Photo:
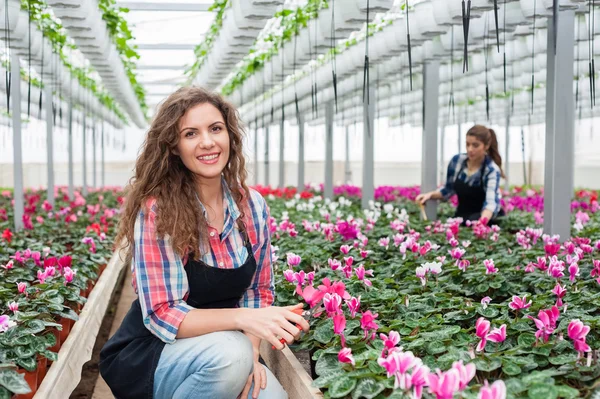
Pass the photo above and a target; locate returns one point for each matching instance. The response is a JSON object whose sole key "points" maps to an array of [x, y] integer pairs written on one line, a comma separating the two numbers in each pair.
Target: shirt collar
{"points": [[229, 205]]}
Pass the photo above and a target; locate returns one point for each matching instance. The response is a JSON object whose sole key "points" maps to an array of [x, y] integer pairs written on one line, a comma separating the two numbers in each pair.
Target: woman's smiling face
{"points": [[203, 141]]}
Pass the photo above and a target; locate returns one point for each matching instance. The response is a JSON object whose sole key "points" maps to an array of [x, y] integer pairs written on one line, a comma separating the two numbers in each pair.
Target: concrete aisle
{"points": [[102, 391]]}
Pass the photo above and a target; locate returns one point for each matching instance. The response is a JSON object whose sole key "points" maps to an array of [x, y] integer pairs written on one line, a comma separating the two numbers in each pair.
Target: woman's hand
{"points": [[423, 198], [259, 377], [273, 323]]}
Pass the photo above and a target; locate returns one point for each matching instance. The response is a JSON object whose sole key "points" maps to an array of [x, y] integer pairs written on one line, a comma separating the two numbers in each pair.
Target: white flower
{"points": [[433, 267], [388, 208]]}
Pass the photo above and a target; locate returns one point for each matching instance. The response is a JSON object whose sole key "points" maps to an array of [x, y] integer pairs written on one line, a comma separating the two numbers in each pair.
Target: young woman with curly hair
{"points": [[199, 244]]}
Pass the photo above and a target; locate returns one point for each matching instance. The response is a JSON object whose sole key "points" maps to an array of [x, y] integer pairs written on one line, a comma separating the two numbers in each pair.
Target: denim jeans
{"points": [[212, 366]]}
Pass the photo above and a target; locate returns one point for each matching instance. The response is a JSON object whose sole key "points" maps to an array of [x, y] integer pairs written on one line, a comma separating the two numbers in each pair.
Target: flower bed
{"points": [[46, 273], [411, 309]]}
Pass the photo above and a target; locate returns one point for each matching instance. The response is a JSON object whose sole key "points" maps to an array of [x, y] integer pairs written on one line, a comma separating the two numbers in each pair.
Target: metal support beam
{"points": [[49, 144], [267, 156], [103, 165], [431, 91], [507, 152], [328, 191], [347, 170], [368, 178], [560, 126], [256, 178], [300, 152], [460, 136], [19, 207], [281, 155], [94, 181], [70, 151], [164, 6], [166, 46], [442, 154], [84, 189]]}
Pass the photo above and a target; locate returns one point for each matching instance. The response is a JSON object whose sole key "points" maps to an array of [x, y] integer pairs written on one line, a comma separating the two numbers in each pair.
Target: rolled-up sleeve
{"points": [[447, 190], [160, 279], [261, 291], [492, 192]]}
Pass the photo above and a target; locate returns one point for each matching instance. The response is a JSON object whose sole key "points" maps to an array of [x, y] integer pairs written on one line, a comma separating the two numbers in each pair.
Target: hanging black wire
{"points": [[315, 69], [555, 22], [409, 48], [485, 57], [504, 55], [42, 81], [578, 65], [312, 76], [333, 53], [451, 105], [466, 20], [7, 41], [496, 20], [533, 56], [591, 52], [366, 67], [294, 74], [282, 80], [523, 155], [29, 58]]}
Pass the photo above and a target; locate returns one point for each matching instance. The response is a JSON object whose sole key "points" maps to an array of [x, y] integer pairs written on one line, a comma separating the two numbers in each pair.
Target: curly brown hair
{"points": [[161, 175]]}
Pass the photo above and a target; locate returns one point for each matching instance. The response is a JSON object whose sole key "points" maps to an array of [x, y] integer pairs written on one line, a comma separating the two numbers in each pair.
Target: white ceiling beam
{"points": [[166, 46], [164, 6]]}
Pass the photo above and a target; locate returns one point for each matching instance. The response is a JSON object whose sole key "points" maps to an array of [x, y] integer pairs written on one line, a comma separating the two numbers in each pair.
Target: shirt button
{"points": [[221, 264], [212, 233]]}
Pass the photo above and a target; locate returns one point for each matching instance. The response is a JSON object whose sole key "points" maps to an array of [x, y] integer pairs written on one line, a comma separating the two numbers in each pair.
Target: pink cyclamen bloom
{"points": [[293, 260], [530, 268], [345, 356], [310, 277], [349, 261], [367, 323], [42, 276], [453, 242], [496, 391], [300, 277], [490, 267], [418, 380], [573, 271], [482, 327], [497, 334], [289, 276], [69, 274], [354, 305], [334, 264], [36, 256], [444, 385], [551, 249], [577, 330], [581, 347], [546, 322], [456, 253], [332, 303], [519, 303], [596, 270], [22, 287], [339, 324], [13, 306], [560, 292], [421, 272], [9, 265], [360, 273], [337, 287], [390, 341], [363, 253], [465, 372], [384, 242], [50, 271], [6, 323], [345, 249], [485, 302], [311, 295], [463, 264]]}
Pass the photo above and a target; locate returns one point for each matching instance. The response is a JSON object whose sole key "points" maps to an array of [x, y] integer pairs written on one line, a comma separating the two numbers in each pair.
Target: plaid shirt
{"points": [[491, 180], [159, 276]]}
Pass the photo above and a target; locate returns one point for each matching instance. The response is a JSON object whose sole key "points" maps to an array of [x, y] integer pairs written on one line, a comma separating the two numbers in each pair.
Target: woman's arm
{"points": [[491, 205]]}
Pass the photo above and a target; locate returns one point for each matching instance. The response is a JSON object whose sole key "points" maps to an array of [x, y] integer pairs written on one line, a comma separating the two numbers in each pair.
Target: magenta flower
{"points": [[9, 265], [453, 242], [518, 303], [22, 288], [497, 334], [496, 391], [444, 385], [349, 261], [466, 373], [367, 323], [14, 307], [490, 267], [311, 295], [578, 333], [482, 327], [345, 249], [551, 249], [50, 271], [384, 242], [69, 274], [390, 341], [456, 253], [293, 260], [418, 380], [345, 356], [361, 272], [36, 256], [6, 323], [530, 268], [546, 322], [332, 303], [18, 257], [573, 271], [463, 264], [541, 264], [42, 276], [289, 276], [363, 253], [334, 264], [560, 292], [347, 230], [353, 305], [556, 267], [310, 277], [300, 277], [485, 302]]}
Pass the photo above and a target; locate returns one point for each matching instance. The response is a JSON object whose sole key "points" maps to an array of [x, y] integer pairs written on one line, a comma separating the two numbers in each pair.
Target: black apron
{"points": [[472, 198], [130, 357]]}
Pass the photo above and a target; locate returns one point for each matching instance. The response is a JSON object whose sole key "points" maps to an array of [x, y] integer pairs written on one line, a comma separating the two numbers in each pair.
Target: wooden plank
{"points": [[290, 373], [65, 374]]}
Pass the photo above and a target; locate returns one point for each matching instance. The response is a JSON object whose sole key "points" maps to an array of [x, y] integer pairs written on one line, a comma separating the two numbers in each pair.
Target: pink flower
{"points": [[22, 287], [541, 264], [573, 271], [398, 364], [349, 261], [13, 306], [50, 271], [482, 327], [444, 385], [453, 242], [551, 249], [456, 253], [391, 341], [421, 272], [384, 242], [363, 253], [466, 373], [300, 277], [418, 380], [334, 264], [518, 303], [496, 391], [485, 302], [546, 323], [530, 268], [353, 305], [289, 276], [293, 260], [36, 256], [577, 330], [69, 274], [9, 265], [311, 295], [463, 264], [581, 347], [310, 277], [348, 230], [42, 276], [360, 273], [367, 323], [560, 292], [490, 267], [332, 303], [345, 356], [6, 323], [497, 334], [338, 287]]}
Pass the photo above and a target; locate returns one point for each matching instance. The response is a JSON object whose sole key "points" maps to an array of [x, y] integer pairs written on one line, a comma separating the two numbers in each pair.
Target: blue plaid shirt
{"points": [[457, 171]]}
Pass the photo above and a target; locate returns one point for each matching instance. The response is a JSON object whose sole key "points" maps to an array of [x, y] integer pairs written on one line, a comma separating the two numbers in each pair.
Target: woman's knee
{"points": [[231, 354]]}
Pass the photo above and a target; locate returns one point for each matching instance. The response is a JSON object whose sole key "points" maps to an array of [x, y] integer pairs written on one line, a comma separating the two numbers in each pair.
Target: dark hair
{"points": [[161, 175], [488, 137]]}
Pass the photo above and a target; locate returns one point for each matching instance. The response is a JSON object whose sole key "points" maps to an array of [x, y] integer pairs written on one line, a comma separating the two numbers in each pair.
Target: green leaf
{"points": [[24, 351], [526, 340], [342, 387], [542, 391], [33, 327], [487, 364], [14, 382], [510, 368], [514, 386], [324, 333], [52, 356], [326, 379], [28, 363], [327, 364], [562, 359], [436, 347], [367, 388], [567, 392], [488, 312]]}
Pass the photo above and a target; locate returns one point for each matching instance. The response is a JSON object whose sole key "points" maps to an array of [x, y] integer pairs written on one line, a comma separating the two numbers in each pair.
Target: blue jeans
{"points": [[212, 366]]}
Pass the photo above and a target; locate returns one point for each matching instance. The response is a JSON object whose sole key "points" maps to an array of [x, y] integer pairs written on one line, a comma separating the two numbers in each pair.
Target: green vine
{"points": [[121, 34], [201, 51], [54, 31]]}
